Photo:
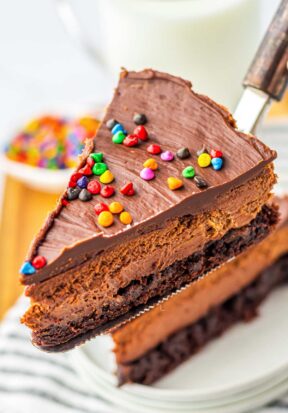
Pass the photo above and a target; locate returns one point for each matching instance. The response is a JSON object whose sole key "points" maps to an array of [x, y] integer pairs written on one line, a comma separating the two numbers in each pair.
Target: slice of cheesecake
{"points": [[160, 340], [167, 191]]}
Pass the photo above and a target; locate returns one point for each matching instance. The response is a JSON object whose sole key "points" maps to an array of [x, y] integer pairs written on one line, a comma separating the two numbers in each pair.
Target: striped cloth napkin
{"points": [[36, 382]]}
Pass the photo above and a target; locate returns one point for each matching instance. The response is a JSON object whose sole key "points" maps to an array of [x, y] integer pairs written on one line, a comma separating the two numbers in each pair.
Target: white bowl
{"points": [[45, 180]]}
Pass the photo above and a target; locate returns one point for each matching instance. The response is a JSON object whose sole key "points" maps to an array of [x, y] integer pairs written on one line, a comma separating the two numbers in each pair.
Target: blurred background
{"points": [[48, 66]]}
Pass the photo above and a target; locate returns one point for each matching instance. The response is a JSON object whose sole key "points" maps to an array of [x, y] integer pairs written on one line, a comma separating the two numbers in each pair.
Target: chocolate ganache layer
{"points": [[177, 117]]}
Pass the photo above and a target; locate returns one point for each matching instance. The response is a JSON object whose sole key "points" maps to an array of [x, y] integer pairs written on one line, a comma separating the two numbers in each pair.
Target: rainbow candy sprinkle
{"points": [[52, 142]]}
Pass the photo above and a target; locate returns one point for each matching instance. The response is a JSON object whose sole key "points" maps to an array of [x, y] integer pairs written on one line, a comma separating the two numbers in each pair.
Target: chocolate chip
{"points": [[202, 150], [139, 119], [85, 195], [183, 153], [73, 193], [111, 123], [200, 182]]}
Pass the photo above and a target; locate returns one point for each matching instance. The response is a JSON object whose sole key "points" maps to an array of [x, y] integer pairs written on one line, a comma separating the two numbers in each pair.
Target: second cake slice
{"points": [[160, 340], [168, 191]]}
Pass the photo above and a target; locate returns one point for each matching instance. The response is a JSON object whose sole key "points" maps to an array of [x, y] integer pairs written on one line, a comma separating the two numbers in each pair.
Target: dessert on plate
{"points": [[160, 340], [168, 190]]}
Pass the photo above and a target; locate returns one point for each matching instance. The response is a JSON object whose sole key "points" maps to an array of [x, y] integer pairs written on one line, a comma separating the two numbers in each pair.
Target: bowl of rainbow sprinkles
{"points": [[44, 151]]}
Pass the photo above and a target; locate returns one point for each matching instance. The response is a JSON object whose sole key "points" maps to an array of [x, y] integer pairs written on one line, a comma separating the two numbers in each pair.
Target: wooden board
{"points": [[24, 211]]}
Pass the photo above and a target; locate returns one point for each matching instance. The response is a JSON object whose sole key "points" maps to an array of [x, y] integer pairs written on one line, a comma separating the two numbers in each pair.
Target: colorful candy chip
{"points": [[174, 183], [147, 174], [82, 182], [85, 195], [74, 177], [216, 153], [118, 128], [217, 163], [118, 137], [27, 268], [73, 193], [141, 133], [64, 202], [97, 157], [183, 153], [127, 189], [188, 172], [100, 207], [131, 140], [72, 184], [107, 191], [39, 262], [125, 218], [86, 170], [151, 163], [99, 168], [154, 149], [139, 119], [116, 207], [107, 177], [200, 182], [204, 160], [111, 123], [105, 219], [94, 187], [167, 156], [90, 161]]}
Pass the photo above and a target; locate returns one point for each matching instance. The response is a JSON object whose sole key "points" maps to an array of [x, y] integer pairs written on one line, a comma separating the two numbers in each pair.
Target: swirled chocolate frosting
{"points": [[177, 117]]}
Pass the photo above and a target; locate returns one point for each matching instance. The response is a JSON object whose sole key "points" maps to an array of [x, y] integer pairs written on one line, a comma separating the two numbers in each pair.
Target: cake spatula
{"points": [[266, 79]]}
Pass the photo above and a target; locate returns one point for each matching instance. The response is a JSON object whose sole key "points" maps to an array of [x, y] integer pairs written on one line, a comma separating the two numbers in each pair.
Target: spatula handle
{"points": [[268, 71]]}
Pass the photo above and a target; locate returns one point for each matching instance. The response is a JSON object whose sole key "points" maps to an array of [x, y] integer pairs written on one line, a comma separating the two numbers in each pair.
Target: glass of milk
{"points": [[210, 42]]}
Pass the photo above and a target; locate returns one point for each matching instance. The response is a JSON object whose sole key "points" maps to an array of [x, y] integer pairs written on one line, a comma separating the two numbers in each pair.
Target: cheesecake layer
{"points": [[149, 330], [178, 347]]}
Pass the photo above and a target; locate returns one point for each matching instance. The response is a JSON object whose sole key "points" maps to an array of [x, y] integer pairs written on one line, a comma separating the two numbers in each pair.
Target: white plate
{"points": [[98, 385], [42, 179], [259, 397], [246, 357]]}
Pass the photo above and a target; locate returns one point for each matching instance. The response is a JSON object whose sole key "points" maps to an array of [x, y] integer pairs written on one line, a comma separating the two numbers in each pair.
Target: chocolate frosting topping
{"points": [[176, 117]]}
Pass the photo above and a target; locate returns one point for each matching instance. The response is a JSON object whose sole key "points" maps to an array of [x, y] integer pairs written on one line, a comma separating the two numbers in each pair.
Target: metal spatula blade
{"points": [[266, 78], [250, 109]]}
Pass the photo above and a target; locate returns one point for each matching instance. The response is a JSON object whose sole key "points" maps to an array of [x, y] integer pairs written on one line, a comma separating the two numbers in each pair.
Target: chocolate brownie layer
{"points": [[184, 343], [148, 289]]}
